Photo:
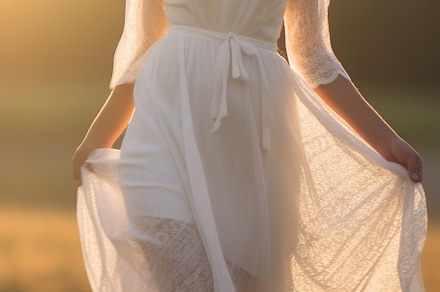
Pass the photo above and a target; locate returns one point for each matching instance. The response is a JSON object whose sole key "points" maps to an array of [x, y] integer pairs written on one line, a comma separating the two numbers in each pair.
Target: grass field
{"points": [[42, 123], [40, 251]]}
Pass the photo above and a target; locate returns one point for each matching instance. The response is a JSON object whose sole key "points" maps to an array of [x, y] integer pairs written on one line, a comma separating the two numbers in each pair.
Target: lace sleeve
{"points": [[308, 42], [145, 23]]}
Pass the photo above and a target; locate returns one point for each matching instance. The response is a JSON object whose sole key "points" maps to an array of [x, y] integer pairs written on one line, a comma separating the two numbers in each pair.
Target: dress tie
{"points": [[231, 54], [193, 174]]}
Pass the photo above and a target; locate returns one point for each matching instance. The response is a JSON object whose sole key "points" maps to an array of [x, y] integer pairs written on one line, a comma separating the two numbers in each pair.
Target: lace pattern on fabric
{"points": [[145, 23], [308, 42], [176, 257]]}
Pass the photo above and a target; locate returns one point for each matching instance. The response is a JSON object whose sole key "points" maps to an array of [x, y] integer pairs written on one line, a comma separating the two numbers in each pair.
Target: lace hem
{"points": [[173, 251]]}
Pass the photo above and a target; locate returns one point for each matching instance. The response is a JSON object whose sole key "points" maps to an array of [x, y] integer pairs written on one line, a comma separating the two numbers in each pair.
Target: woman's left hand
{"points": [[401, 152]]}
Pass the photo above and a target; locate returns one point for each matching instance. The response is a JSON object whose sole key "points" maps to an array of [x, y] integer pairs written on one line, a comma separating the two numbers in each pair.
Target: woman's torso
{"points": [[260, 19]]}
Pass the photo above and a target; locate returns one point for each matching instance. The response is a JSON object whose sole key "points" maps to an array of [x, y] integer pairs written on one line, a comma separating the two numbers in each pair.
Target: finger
{"points": [[77, 175], [412, 168], [77, 178], [419, 162]]}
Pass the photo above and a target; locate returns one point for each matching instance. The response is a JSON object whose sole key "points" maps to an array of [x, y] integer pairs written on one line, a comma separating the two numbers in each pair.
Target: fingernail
{"points": [[414, 176]]}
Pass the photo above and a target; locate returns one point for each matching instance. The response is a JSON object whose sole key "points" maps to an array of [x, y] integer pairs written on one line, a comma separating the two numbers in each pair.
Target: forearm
{"points": [[112, 118], [343, 97]]}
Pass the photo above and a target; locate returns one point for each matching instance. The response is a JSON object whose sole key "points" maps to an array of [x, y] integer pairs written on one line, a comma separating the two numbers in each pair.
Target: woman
{"points": [[238, 172]]}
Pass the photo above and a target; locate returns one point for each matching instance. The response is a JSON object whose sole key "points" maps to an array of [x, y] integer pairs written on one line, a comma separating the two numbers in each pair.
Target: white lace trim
{"points": [[176, 257], [145, 23], [308, 42]]}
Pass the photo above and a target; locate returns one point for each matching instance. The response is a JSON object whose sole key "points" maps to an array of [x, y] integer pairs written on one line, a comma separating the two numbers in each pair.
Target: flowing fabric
{"points": [[233, 174]]}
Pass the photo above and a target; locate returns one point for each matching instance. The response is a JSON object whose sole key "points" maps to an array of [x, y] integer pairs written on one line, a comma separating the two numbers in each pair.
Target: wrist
{"points": [[91, 142], [386, 146]]}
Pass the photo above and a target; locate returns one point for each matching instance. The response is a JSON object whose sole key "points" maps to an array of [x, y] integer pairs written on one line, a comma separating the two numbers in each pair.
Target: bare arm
{"points": [[107, 126], [343, 97]]}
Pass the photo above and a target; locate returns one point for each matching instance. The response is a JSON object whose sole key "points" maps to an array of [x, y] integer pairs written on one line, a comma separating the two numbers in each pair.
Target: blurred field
{"points": [[40, 252]]}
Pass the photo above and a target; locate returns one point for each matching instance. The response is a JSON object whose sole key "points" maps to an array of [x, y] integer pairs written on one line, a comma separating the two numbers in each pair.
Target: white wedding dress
{"points": [[233, 174]]}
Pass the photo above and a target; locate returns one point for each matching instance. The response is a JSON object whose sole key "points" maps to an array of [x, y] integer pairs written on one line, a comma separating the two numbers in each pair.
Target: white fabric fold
{"points": [[230, 61], [199, 198]]}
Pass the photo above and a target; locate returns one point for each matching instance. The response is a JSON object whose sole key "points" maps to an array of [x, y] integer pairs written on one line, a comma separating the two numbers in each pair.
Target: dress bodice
{"points": [[260, 19], [306, 26]]}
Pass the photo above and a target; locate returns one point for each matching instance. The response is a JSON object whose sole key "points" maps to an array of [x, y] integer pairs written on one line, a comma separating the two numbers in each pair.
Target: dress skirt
{"points": [[234, 175]]}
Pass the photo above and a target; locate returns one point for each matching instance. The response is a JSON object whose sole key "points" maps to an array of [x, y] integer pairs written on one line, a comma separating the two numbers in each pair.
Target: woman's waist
{"points": [[221, 36]]}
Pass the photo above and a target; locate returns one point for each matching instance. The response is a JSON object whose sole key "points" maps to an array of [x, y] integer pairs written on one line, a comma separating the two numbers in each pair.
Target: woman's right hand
{"points": [[107, 126], [79, 157]]}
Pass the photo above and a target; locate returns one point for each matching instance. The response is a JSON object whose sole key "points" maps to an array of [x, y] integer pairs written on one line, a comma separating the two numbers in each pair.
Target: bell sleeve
{"points": [[308, 43], [145, 23]]}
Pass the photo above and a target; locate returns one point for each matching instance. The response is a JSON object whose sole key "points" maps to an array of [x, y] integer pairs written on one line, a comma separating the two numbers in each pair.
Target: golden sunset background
{"points": [[55, 67]]}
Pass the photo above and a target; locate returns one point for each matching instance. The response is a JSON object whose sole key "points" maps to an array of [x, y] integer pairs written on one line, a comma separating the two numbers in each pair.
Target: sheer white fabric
{"points": [[145, 22], [308, 42], [233, 174]]}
